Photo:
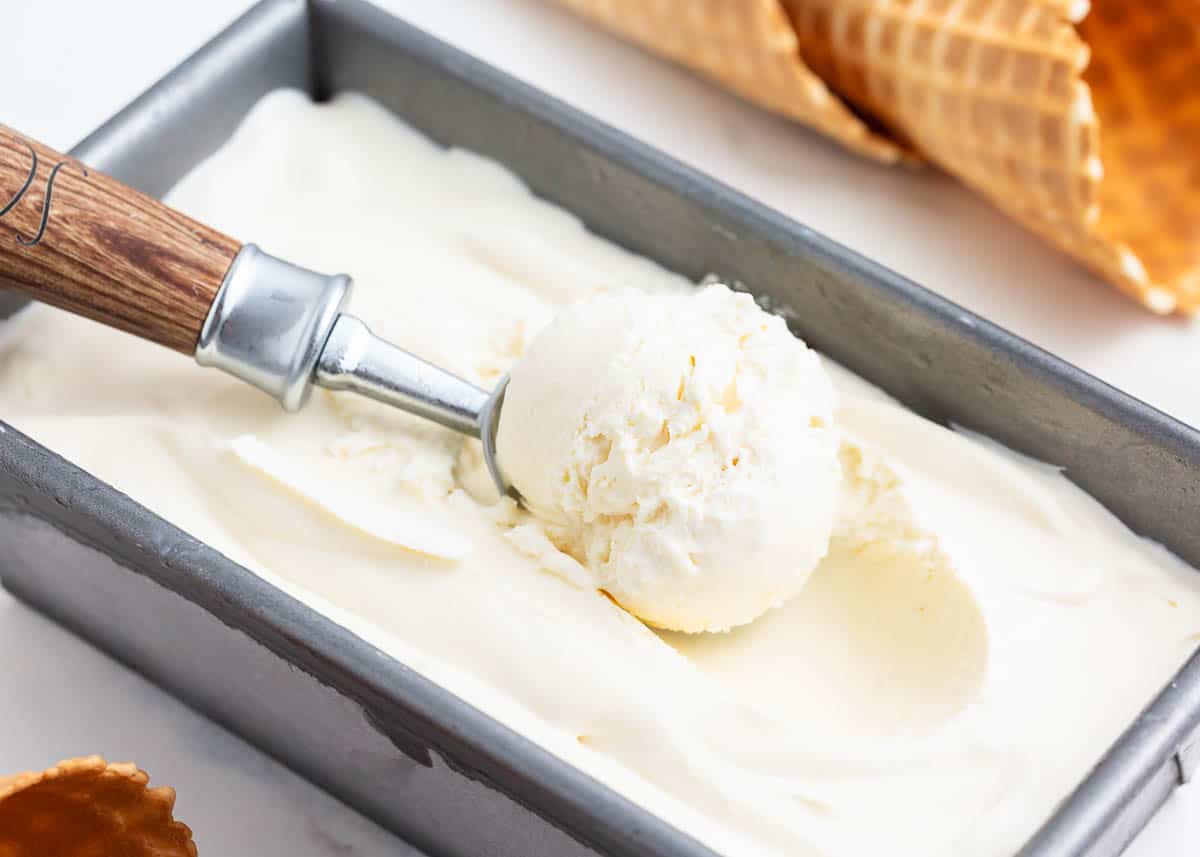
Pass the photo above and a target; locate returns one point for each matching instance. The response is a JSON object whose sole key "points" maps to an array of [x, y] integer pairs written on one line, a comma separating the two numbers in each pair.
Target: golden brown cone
{"points": [[1103, 163], [747, 46], [86, 807], [1145, 81], [1102, 160]]}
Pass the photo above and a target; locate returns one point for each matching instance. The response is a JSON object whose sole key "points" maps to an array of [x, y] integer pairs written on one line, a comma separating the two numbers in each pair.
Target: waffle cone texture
{"points": [[87, 807], [1081, 121]]}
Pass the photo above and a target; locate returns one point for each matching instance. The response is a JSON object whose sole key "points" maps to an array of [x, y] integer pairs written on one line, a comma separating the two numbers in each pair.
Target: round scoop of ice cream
{"points": [[682, 447]]}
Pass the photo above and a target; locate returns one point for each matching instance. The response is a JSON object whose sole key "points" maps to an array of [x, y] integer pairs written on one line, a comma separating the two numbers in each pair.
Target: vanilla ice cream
{"points": [[978, 633], [682, 448]]}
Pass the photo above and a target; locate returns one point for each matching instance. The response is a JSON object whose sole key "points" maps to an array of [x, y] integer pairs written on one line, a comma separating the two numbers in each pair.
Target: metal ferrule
{"points": [[281, 328], [269, 323]]}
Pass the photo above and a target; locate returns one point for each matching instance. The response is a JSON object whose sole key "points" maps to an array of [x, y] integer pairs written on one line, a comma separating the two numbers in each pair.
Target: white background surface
{"points": [[69, 64]]}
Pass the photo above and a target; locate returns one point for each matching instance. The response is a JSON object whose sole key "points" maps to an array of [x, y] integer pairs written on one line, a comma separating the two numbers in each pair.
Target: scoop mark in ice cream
{"points": [[377, 523]]}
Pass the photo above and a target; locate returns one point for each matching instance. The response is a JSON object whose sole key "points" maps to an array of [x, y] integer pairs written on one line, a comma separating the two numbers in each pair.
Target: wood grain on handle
{"points": [[82, 241]]}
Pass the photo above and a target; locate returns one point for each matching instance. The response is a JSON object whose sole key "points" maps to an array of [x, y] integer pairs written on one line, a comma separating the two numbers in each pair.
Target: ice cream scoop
{"points": [[82, 241], [682, 447]]}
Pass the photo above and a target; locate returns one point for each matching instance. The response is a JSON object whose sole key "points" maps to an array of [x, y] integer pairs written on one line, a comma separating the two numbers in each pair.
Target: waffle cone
{"points": [[86, 807], [1103, 160], [1084, 127], [747, 46]]}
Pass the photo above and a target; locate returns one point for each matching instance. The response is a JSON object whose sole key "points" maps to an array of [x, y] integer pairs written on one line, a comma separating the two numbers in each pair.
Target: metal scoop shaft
{"points": [[281, 328], [355, 359]]}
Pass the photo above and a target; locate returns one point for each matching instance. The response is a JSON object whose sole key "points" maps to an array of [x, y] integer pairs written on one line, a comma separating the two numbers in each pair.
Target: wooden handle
{"points": [[82, 241]]}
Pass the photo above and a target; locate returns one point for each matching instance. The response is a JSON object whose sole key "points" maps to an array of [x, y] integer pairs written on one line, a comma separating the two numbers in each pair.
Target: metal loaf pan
{"points": [[384, 739]]}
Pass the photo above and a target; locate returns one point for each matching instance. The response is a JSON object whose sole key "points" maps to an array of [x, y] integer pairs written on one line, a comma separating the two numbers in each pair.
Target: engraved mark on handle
{"points": [[20, 194], [12, 203]]}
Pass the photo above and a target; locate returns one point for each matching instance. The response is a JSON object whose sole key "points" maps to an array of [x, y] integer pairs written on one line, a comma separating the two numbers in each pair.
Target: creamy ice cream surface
{"points": [[682, 448], [977, 634]]}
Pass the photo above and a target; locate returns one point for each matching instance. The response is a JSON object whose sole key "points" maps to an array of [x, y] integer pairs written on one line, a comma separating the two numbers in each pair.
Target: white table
{"points": [[70, 64]]}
